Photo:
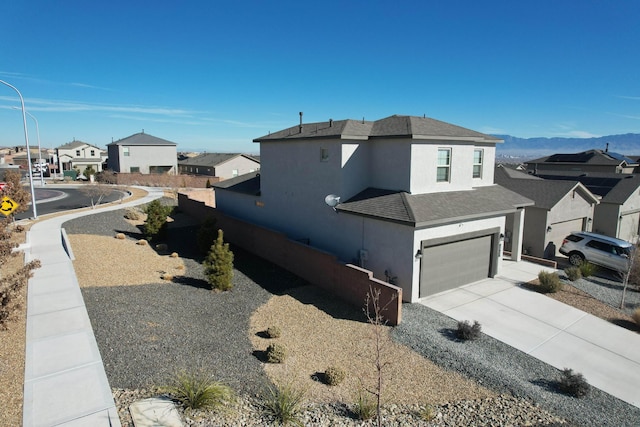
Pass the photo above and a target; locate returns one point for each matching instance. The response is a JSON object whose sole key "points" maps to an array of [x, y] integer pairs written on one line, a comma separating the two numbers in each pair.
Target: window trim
{"points": [[324, 154], [480, 164], [446, 167]]}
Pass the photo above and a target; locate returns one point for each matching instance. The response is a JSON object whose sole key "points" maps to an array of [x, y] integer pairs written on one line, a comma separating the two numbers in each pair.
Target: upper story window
{"points": [[478, 157], [93, 153], [444, 165], [78, 153], [324, 154], [125, 151]]}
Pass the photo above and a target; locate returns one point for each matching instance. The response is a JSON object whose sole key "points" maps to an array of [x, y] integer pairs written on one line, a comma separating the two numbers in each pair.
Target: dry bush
{"points": [[174, 255], [142, 242], [120, 236]]}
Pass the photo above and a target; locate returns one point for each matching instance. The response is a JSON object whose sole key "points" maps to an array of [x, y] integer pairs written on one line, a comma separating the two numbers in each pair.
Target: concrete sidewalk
{"points": [[564, 337], [65, 383]]}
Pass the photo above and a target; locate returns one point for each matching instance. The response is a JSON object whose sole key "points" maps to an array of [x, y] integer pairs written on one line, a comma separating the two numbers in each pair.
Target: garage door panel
{"points": [[454, 264]]}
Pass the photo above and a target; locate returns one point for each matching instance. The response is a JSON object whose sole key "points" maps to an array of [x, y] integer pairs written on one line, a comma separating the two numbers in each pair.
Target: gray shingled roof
{"points": [[589, 157], [614, 188], [546, 193], [390, 127], [626, 186], [248, 183], [432, 209], [75, 144], [211, 159], [502, 171], [142, 139]]}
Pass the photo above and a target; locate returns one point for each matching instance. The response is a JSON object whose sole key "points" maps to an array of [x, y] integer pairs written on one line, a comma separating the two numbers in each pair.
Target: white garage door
{"points": [[560, 230], [450, 265]]}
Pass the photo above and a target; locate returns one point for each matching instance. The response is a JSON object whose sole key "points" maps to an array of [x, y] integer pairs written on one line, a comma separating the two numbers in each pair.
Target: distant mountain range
{"points": [[529, 148]]}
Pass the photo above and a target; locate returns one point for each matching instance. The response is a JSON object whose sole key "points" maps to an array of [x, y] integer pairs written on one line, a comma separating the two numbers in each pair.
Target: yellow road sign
{"points": [[8, 206]]}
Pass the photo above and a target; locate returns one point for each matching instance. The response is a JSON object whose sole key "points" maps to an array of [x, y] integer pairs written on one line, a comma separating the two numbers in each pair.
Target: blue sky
{"points": [[214, 75]]}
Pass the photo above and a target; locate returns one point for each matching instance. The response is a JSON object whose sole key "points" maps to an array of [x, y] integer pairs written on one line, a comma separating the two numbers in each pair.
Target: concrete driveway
{"points": [[564, 337]]}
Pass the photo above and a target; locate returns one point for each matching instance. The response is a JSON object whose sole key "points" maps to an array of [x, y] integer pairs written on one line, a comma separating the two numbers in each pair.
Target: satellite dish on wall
{"points": [[332, 201]]}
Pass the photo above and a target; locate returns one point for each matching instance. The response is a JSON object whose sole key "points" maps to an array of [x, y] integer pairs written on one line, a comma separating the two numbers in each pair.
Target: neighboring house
{"points": [[597, 161], [560, 207], [220, 165], [78, 155], [143, 153], [413, 198]]}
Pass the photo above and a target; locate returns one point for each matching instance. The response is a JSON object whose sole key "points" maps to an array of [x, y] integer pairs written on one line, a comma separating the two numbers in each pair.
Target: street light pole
{"points": [[26, 140], [39, 149]]}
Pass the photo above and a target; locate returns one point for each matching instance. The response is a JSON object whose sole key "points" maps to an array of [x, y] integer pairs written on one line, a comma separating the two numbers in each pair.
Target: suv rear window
{"points": [[574, 238]]}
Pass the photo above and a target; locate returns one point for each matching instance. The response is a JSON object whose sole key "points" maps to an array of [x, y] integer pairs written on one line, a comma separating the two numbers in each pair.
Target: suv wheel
{"points": [[576, 258]]}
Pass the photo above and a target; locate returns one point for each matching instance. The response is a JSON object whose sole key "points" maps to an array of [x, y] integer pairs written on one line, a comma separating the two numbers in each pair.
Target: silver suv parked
{"points": [[608, 252]]}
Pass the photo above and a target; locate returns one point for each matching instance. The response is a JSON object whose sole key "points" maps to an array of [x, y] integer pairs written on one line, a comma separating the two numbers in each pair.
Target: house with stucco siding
{"points": [[411, 199], [219, 165], [143, 153]]}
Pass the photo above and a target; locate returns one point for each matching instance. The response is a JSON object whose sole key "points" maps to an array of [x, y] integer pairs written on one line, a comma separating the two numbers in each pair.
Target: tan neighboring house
{"points": [[143, 153], [560, 207], [220, 165], [78, 155]]}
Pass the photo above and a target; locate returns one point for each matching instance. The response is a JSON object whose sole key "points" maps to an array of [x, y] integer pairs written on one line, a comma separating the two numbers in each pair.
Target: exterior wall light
{"points": [[549, 229], [418, 254]]}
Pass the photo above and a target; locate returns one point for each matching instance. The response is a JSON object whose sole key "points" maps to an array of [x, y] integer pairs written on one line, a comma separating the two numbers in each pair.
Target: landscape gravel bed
{"points": [[148, 332], [605, 288]]}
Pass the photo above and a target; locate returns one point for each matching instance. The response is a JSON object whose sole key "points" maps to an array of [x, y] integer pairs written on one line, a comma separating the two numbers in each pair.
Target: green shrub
{"points": [[573, 383], [206, 235], [587, 269], [276, 353], [334, 375], [155, 227], [273, 332], [549, 282], [218, 265], [573, 273], [467, 331], [198, 390], [636, 316], [365, 407], [286, 404]]}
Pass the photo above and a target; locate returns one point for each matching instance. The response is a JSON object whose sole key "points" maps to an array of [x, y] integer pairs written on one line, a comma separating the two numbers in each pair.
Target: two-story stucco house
{"points": [[79, 155], [410, 198], [143, 153]]}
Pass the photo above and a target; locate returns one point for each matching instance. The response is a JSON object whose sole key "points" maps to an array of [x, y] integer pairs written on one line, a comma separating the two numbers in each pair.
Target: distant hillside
{"points": [[514, 147]]}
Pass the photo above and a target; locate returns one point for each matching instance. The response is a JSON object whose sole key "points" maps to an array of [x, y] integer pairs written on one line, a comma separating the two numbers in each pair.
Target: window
{"points": [[444, 164], [477, 163], [134, 169], [125, 151], [93, 153], [77, 153], [324, 155], [234, 172]]}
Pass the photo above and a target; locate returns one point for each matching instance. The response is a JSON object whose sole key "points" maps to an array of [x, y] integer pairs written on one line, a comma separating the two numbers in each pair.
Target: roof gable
{"points": [[213, 159]]}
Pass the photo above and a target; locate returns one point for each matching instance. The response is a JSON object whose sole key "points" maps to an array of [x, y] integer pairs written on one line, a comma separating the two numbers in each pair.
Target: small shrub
{"points": [[587, 269], [426, 413], [334, 375], [120, 236], [573, 383], [276, 353], [636, 316], [273, 332], [218, 265], [285, 403], [174, 255], [142, 242], [365, 407], [162, 247], [132, 214], [206, 235], [167, 276], [19, 228], [549, 282], [180, 267], [155, 227], [467, 331], [198, 390], [573, 273]]}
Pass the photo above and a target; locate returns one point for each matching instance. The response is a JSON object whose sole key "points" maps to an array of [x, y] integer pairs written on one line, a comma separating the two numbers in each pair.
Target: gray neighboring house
{"points": [[143, 153], [411, 199], [560, 207], [220, 165], [591, 161]]}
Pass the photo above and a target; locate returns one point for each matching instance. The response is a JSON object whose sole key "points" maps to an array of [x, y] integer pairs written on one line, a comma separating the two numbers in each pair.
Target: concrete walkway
{"points": [[607, 355], [65, 383]]}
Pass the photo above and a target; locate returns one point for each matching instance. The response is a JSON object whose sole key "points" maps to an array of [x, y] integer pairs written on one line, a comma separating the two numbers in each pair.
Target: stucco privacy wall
{"points": [[319, 268]]}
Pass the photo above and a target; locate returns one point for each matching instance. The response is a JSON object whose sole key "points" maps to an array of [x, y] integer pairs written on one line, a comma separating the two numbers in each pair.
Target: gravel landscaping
{"points": [[149, 329]]}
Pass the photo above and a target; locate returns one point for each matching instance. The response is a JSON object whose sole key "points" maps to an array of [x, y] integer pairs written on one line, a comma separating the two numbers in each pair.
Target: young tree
{"points": [[374, 310], [218, 265], [88, 172], [630, 275], [97, 192]]}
